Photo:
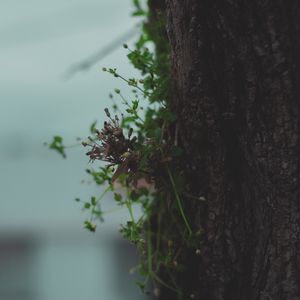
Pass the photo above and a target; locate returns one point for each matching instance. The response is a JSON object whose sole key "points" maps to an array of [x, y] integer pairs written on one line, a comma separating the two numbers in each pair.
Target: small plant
{"points": [[140, 151]]}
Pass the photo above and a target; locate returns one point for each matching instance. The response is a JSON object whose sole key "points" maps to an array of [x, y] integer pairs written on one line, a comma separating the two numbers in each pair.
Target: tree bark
{"points": [[236, 73]]}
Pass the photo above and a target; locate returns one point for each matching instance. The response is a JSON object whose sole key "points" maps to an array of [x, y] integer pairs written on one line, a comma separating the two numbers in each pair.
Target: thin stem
{"points": [[129, 206], [158, 234], [103, 194], [113, 210], [149, 250], [135, 86], [99, 199], [150, 267], [179, 202], [163, 283], [125, 101], [128, 105], [73, 145]]}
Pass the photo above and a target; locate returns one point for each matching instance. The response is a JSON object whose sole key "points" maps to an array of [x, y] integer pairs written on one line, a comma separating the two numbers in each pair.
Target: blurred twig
{"points": [[88, 62]]}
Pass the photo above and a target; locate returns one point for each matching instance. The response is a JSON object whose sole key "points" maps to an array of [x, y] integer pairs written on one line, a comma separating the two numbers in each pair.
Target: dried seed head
{"points": [[133, 140], [118, 132], [112, 146], [130, 132], [107, 112]]}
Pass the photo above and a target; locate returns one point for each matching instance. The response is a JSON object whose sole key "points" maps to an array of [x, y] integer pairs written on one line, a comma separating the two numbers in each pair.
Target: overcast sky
{"points": [[39, 41]]}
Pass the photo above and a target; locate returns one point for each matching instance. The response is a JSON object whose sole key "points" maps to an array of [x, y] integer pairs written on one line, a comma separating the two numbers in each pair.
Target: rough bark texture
{"points": [[236, 71]]}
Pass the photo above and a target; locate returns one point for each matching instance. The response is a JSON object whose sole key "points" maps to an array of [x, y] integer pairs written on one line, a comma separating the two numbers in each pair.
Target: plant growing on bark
{"points": [[142, 146], [236, 78]]}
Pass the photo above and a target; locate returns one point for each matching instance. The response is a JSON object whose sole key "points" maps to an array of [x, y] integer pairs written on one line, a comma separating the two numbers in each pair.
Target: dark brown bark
{"points": [[236, 72]]}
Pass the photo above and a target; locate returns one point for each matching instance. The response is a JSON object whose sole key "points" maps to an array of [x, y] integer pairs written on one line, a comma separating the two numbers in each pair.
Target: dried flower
{"points": [[112, 146]]}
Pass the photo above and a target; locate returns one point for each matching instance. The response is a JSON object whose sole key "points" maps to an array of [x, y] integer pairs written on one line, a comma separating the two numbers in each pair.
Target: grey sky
{"points": [[39, 40]]}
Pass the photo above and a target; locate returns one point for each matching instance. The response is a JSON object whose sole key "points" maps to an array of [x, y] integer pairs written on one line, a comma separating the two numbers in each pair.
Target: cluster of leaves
{"points": [[139, 150], [57, 145], [94, 207]]}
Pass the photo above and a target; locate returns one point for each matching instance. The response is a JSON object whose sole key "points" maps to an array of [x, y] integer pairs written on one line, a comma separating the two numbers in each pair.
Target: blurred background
{"points": [[45, 253]]}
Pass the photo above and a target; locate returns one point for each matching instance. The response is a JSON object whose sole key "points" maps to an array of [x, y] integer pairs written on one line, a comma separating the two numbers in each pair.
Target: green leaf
{"points": [[158, 133], [93, 127], [135, 104], [144, 191], [100, 177], [136, 3], [93, 201], [141, 286], [97, 212], [90, 226], [139, 11], [117, 197], [131, 231], [87, 205], [57, 145], [134, 195]]}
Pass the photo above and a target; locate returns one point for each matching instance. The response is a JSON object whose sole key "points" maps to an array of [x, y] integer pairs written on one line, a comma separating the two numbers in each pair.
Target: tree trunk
{"points": [[236, 73]]}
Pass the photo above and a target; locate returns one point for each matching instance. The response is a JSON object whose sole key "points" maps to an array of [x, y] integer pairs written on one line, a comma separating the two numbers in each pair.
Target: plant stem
{"points": [[179, 202], [153, 275], [149, 249], [135, 86], [129, 206]]}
